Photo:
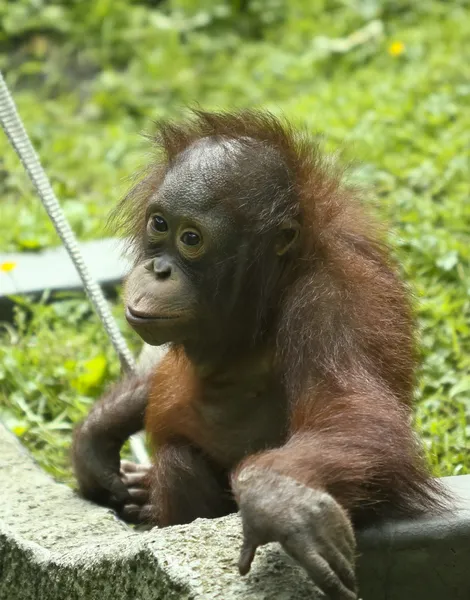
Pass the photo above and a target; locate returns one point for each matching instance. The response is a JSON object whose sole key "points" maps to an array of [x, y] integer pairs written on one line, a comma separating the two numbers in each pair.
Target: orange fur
{"points": [[315, 379]]}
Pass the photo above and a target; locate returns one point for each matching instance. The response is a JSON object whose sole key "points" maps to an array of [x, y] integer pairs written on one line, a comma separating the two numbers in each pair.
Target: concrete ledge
{"points": [[55, 546]]}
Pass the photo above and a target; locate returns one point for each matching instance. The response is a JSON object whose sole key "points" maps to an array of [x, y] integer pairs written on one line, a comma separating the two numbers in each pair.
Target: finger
{"points": [[112, 482], [347, 541], [327, 580], [138, 495], [130, 467], [132, 513], [340, 539], [247, 554], [339, 550], [321, 572], [341, 565], [134, 479]]}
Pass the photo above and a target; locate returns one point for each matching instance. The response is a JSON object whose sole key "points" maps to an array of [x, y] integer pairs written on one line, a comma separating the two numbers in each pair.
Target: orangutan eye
{"points": [[190, 238], [159, 224]]}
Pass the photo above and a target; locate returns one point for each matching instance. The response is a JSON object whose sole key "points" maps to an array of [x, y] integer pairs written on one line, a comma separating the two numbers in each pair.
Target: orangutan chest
{"points": [[244, 416]]}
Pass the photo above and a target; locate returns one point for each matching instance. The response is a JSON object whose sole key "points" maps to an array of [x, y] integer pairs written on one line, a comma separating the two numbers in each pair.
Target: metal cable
{"points": [[19, 139]]}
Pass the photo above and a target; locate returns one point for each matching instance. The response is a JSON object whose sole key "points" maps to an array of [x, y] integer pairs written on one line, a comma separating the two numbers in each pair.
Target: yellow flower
{"points": [[19, 430], [396, 48], [6, 267]]}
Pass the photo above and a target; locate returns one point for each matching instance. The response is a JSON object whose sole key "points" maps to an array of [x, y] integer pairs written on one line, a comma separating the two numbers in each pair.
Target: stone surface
{"points": [[55, 546]]}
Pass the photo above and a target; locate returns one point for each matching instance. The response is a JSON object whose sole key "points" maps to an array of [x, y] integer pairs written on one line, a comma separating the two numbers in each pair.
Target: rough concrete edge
{"points": [[113, 562], [57, 575], [52, 568]]}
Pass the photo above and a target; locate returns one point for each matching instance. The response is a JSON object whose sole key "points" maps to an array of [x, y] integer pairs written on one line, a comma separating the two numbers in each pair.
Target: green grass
{"points": [[90, 75]]}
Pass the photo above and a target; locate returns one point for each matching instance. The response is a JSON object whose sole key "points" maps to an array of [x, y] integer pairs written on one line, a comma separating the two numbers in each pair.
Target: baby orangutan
{"points": [[287, 387]]}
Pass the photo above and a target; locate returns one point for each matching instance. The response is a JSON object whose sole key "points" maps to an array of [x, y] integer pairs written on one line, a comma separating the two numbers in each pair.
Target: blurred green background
{"points": [[387, 81]]}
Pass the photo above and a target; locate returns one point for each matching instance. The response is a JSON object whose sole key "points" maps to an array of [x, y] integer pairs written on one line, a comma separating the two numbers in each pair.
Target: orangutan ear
{"points": [[287, 237]]}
